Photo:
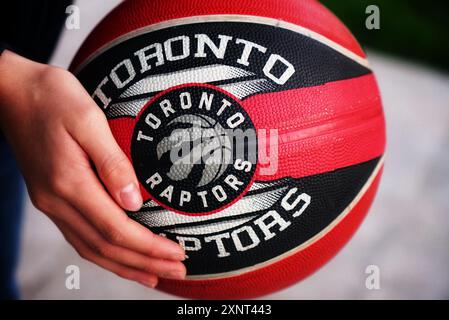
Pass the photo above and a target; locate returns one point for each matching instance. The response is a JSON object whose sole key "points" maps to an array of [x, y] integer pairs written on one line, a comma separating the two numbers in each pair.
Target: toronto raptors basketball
{"points": [[255, 129]]}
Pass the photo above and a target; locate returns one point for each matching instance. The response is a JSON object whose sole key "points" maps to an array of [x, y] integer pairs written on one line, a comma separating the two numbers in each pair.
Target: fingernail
{"points": [[149, 283], [174, 274], [179, 254], [131, 198]]}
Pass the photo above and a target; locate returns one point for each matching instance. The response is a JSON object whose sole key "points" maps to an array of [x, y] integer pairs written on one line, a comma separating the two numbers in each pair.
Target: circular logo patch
{"points": [[194, 149]]}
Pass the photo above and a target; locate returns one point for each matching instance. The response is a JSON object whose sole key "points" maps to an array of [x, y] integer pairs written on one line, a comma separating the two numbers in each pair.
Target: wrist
{"points": [[18, 82]]}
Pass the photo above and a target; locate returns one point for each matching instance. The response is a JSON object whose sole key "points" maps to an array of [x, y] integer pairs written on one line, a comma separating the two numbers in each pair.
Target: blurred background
{"points": [[406, 233]]}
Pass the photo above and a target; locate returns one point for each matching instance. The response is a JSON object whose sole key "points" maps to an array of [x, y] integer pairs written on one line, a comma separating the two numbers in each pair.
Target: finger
{"points": [[147, 279], [89, 197], [74, 221], [93, 134]]}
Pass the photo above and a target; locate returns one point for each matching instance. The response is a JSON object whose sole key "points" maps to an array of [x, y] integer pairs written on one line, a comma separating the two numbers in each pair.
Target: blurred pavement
{"points": [[406, 232]]}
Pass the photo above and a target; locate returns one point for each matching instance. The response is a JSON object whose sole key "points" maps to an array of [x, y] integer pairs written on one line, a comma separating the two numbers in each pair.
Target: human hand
{"points": [[59, 135]]}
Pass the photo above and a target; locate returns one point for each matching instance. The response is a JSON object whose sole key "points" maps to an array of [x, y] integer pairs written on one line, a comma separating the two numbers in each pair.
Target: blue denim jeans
{"points": [[11, 205]]}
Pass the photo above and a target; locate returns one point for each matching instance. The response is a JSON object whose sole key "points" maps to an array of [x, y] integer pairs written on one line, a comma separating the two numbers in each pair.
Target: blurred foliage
{"points": [[414, 29]]}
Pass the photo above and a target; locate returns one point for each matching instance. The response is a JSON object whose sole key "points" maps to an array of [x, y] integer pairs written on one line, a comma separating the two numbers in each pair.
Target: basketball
{"points": [[255, 128]]}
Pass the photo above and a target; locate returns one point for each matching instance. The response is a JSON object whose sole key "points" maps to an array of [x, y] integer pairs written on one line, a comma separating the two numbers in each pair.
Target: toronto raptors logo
{"points": [[194, 149]]}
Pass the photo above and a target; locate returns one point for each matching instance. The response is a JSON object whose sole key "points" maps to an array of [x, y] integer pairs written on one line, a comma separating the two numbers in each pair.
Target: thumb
{"points": [[114, 168]]}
